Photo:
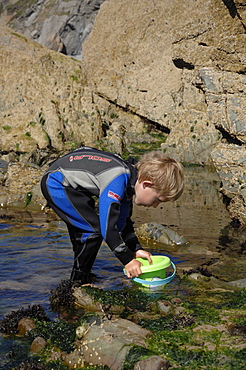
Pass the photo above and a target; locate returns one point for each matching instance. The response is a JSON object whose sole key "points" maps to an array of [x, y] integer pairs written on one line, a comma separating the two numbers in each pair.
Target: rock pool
{"points": [[36, 253]]}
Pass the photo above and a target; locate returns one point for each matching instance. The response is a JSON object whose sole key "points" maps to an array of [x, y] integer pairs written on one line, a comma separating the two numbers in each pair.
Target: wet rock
{"points": [[161, 234], [152, 363], [20, 185], [38, 344], [3, 169], [83, 299], [179, 310], [32, 365], [241, 283], [107, 342], [25, 325], [165, 307], [74, 359], [232, 241], [221, 270], [196, 276]]}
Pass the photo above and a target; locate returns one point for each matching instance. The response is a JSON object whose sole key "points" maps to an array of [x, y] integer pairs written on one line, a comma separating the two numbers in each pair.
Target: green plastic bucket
{"points": [[155, 274]]}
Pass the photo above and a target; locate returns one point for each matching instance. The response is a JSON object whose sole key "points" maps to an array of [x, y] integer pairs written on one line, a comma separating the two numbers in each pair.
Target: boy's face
{"points": [[146, 195]]}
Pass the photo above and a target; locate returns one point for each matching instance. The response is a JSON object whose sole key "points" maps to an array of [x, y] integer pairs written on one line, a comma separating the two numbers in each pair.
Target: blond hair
{"points": [[164, 172]]}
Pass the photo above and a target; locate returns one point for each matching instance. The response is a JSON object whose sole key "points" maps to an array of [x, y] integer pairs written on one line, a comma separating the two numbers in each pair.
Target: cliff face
{"points": [[61, 25], [179, 64], [43, 98], [179, 67]]}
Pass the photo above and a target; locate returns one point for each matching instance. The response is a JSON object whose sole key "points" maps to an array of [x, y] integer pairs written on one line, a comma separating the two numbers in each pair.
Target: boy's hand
{"points": [[133, 269], [144, 254]]}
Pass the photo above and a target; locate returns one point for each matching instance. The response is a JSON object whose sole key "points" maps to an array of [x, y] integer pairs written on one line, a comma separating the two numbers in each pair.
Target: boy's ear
{"points": [[147, 184]]}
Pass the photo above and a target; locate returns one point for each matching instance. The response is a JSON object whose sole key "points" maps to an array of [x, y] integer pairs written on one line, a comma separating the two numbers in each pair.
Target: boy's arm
{"points": [[110, 218], [117, 226], [128, 232]]}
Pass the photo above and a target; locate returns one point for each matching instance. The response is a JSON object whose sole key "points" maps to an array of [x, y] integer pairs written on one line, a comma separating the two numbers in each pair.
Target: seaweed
{"points": [[232, 300], [131, 300], [168, 322], [136, 354], [58, 333], [62, 296], [204, 313], [32, 364], [107, 297], [9, 324]]}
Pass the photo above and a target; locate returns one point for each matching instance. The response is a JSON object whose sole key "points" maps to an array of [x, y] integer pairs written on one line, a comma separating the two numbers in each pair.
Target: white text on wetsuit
{"points": [[88, 156]]}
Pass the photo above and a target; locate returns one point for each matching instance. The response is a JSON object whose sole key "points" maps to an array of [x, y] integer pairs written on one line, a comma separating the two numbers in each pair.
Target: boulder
{"points": [[107, 342], [161, 234]]}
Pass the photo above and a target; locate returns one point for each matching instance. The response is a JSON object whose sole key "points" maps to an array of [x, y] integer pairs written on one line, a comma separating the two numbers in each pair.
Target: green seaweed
{"points": [[232, 300], [58, 333], [203, 312], [175, 347], [168, 322], [136, 354], [172, 337], [131, 299]]}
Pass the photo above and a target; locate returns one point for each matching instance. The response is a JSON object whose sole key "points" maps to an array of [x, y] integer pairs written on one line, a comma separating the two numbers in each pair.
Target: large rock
{"points": [[107, 342], [20, 187], [44, 102], [230, 162], [178, 64]]}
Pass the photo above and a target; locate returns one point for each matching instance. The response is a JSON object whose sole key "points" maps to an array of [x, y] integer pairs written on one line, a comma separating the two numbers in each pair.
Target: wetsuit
{"points": [[70, 186]]}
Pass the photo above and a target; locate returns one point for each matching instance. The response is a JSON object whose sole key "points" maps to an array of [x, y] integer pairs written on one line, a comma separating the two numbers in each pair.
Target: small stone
{"points": [[25, 325], [165, 307], [152, 363], [179, 310], [176, 300], [38, 344]]}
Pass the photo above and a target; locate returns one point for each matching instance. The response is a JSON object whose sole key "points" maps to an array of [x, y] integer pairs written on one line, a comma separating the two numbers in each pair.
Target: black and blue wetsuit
{"points": [[71, 185]]}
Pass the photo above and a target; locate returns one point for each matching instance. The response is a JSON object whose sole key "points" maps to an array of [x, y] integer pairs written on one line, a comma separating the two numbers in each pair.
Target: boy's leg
{"points": [[77, 209], [85, 247]]}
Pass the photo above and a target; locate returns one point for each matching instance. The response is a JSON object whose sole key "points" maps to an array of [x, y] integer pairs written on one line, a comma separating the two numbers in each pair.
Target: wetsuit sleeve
{"points": [[128, 234], [110, 218]]}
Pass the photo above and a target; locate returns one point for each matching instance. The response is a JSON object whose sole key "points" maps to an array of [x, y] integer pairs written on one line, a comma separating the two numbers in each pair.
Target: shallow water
{"points": [[36, 253]]}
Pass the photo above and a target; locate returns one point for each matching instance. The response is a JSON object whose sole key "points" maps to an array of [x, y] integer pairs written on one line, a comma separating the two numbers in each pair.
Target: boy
{"points": [[71, 183]]}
